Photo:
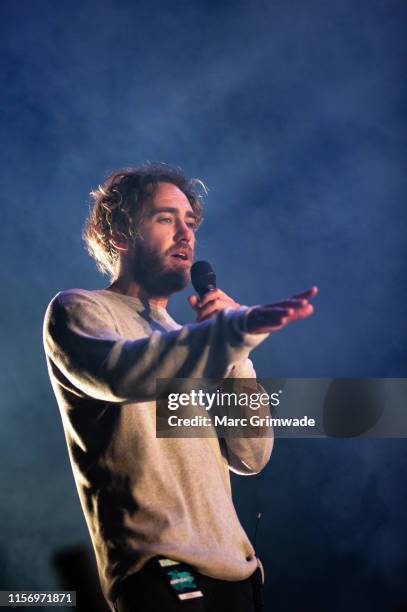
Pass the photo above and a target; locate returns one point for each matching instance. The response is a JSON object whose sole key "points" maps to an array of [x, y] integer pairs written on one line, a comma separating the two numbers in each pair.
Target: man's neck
{"points": [[133, 289]]}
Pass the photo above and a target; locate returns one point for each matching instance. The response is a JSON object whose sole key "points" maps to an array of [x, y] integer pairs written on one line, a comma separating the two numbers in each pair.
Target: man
{"points": [[150, 501]]}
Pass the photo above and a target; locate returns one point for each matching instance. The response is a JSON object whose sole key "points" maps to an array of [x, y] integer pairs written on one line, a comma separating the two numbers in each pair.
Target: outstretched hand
{"points": [[269, 318]]}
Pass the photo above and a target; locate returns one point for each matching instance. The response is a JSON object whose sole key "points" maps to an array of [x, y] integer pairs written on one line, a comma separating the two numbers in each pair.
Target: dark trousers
{"points": [[149, 591]]}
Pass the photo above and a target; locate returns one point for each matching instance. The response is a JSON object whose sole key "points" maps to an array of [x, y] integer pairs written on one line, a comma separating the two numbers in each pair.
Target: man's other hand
{"points": [[211, 303], [269, 318]]}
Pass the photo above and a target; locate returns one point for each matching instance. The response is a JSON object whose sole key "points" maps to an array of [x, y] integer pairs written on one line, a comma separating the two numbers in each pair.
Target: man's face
{"points": [[162, 257]]}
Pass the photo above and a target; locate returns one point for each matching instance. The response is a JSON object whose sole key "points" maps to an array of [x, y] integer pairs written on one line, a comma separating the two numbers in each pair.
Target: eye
{"points": [[192, 223], [164, 220]]}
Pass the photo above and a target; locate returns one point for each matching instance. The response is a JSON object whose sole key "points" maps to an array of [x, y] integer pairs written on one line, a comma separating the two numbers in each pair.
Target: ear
{"points": [[120, 244]]}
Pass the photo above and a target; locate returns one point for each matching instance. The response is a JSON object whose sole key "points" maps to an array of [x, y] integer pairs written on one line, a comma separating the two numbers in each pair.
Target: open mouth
{"points": [[182, 256]]}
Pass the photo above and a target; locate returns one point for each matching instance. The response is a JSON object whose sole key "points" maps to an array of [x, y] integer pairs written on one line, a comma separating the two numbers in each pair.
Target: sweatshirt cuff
{"points": [[239, 322]]}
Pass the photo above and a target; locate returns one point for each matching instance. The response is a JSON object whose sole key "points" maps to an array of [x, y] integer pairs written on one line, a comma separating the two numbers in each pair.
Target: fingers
{"points": [[292, 303], [302, 310], [267, 319], [272, 317], [299, 304], [307, 295], [211, 303], [300, 300], [193, 301], [216, 294], [211, 308], [296, 313]]}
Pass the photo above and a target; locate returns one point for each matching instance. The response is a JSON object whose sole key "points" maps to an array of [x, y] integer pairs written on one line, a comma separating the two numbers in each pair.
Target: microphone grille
{"points": [[202, 277]]}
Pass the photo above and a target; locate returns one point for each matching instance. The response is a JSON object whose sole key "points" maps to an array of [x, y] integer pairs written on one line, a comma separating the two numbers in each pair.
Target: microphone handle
{"points": [[207, 289]]}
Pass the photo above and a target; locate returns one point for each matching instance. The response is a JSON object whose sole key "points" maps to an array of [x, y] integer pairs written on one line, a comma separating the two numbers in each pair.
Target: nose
{"points": [[183, 232]]}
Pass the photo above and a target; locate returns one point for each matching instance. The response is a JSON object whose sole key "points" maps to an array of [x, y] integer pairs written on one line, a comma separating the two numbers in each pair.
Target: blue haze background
{"points": [[293, 113]]}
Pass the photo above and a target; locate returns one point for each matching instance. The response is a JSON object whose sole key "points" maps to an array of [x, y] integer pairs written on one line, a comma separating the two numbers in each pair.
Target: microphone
{"points": [[203, 277]]}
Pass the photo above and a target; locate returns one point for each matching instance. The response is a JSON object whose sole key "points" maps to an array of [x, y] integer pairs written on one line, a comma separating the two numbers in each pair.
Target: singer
{"points": [[159, 510]]}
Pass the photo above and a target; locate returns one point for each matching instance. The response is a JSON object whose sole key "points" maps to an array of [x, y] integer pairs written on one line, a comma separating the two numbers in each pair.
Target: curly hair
{"points": [[118, 206]]}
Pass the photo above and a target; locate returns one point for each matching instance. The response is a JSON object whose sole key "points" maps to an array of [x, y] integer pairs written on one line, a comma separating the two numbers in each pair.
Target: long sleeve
{"points": [[88, 355], [247, 456]]}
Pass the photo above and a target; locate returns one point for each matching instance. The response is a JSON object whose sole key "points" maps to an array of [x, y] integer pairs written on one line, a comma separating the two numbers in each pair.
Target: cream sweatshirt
{"points": [[141, 495]]}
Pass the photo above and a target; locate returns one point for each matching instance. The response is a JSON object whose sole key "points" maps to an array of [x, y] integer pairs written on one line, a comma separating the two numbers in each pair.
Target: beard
{"points": [[154, 275]]}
